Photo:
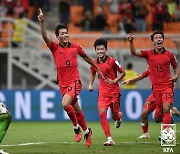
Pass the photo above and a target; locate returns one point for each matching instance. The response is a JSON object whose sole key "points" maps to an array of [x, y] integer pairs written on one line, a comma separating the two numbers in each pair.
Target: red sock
{"points": [[167, 118], [81, 120], [72, 115], [118, 116], [144, 128], [105, 124]]}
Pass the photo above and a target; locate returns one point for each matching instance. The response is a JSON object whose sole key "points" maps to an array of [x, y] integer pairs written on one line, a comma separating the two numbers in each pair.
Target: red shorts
{"points": [[150, 103], [106, 101], [162, 96], [73, 90]]}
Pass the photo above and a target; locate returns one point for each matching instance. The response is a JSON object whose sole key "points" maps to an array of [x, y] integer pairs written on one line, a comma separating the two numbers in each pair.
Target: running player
{"points": [[149, 106], [109, 91], [5, 120], [65, 57], [159, 60]]}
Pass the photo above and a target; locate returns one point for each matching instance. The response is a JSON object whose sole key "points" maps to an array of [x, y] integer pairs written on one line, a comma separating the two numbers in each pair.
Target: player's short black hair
{"points": [[60, 26], [157, 32], [129, 66], [101, 41]]}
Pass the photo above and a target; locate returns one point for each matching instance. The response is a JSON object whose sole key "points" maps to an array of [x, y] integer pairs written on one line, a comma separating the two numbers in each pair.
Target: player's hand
{"points": [[40, 16], [90, 88], [100, 75], [109, 81], [173, 78], [130, 38], [125, 82]]}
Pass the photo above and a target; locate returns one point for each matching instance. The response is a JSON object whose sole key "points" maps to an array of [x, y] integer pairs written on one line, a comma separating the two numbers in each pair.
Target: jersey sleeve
{"points": [[145, 74], [173, 60], [53, 46], [144, 53], [118, 66], [81, 51]]}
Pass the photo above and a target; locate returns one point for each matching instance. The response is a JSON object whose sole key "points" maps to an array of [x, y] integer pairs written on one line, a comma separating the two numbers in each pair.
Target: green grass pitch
{"points": [[58, 137]]}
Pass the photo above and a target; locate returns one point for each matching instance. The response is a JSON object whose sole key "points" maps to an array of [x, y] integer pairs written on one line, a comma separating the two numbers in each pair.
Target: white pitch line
{"points": [[23, 144], [96, 143]]}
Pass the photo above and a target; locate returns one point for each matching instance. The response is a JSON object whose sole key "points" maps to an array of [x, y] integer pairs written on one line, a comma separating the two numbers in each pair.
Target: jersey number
{"points": [[115, 105], [67, 63], [159, 68], [169, 95]]}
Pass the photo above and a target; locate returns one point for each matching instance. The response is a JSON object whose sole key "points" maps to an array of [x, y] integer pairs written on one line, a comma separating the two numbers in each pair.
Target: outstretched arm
{"points": [[43, 30], [133, 80], [132, 47], [119, 77]]}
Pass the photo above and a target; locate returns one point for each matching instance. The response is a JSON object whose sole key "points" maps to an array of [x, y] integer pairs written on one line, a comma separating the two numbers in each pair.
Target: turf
{"points": [[58, 137]]}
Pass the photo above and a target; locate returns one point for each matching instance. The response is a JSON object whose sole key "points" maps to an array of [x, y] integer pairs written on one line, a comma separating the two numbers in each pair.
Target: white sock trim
{"points": [[76, 127], [86, 131], [109, 138]]}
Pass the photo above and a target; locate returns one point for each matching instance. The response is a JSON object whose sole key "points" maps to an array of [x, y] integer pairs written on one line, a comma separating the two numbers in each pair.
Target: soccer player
{"points": [[109, 91], [65, 57], [159, 60], [5, 120], [149, 106]]}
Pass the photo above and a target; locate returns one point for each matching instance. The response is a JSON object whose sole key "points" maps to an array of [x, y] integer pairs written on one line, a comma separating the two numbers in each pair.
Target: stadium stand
{"points": [[34, 59]]}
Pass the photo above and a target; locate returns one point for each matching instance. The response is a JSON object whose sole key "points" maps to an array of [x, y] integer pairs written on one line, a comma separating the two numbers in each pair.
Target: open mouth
{"points": [[159, 44], [65, 38]]}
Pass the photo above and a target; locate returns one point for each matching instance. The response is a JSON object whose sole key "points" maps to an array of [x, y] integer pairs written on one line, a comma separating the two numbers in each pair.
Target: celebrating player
{"points": [[109, 91], [159, 60], [149, 106], [65, 58], [5, 120]]}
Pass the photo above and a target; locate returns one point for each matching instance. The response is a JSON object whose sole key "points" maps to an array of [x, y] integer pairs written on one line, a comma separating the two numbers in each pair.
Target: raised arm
{"points": [[43, 30], [132, 47]]}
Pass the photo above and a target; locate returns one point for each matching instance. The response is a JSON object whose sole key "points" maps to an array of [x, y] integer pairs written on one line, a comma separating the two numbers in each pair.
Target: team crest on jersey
{"points": [[69, 88]]}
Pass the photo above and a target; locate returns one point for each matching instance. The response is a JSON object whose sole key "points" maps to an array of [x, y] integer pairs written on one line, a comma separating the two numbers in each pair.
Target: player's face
{"points": [[101, 51], [158, 41], [63, 36]]}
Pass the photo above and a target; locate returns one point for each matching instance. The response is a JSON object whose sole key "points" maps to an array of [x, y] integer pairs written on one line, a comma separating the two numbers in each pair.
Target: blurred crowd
{"points": [[14, 8], [132, 14]]}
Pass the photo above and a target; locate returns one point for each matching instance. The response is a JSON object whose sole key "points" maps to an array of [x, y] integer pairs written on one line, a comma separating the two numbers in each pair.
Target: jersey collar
{"points": [[103, 60], [68, 46], [161, 52]]}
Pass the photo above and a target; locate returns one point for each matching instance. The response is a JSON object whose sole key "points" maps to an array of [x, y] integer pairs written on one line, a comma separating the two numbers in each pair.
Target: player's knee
{"points": [[157, 119], [64, 105], [144, 114], [166, 107]]}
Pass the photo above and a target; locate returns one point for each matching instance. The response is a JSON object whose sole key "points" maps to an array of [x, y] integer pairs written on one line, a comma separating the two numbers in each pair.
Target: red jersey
{"points": [[159, 66], [145, 73], [65, 59], [109, 69]]}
